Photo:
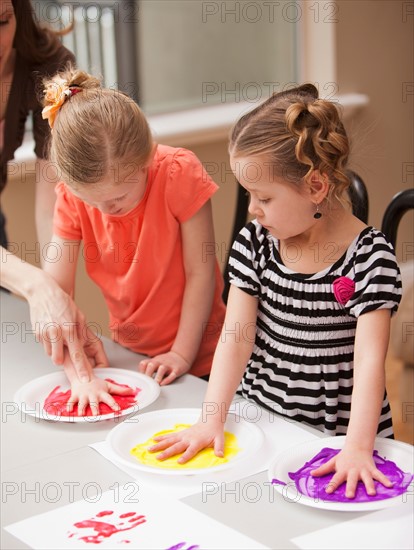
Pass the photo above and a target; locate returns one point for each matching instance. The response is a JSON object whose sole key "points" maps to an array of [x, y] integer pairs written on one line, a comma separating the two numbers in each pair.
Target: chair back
{"points": [[399, 205]]}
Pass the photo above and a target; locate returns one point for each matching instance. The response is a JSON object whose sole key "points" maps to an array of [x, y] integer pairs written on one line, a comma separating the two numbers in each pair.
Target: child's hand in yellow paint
{"points": [[191, 441]]}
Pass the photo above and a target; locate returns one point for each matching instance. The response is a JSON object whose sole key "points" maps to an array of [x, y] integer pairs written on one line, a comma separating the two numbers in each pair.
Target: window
{"points": [[175, 55], [197, 53]]}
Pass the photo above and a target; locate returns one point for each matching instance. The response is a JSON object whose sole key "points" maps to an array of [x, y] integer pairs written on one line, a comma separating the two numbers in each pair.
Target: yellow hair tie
{"points": [[56, 94]]}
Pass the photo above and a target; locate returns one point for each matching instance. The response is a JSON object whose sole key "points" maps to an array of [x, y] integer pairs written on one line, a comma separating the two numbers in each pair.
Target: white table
{"points": [[46, 464]]}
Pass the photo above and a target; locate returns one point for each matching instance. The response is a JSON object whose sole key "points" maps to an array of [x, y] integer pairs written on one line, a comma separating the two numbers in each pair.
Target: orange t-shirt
{"points": [[137, 259]]}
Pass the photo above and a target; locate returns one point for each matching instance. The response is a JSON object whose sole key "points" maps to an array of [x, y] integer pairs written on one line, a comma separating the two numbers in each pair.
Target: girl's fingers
{"points": [[219, 445], [142, 365], [94, 405], [335, 482], [151, 367], [367, 480], [70, 404], [326, 468], [175, 449], [163, 378], [351, 483], [161, 372], [379, 476], [189, 453], [110, 401], [82, 406], [120, 390], [163, 442]]}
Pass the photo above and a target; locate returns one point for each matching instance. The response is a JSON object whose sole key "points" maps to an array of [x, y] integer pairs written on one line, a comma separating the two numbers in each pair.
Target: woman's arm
{"points": [[355, 461], [50, 308], [230, 359], [44, 202], [197, 233]]}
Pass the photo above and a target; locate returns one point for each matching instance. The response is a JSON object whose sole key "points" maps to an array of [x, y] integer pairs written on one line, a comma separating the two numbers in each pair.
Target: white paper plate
{"points": [[31, 397], [139, 429], [294, 458]]}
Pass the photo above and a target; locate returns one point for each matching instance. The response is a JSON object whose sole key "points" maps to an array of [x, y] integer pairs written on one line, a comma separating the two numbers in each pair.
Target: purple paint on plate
{"points": [[314, 487]]}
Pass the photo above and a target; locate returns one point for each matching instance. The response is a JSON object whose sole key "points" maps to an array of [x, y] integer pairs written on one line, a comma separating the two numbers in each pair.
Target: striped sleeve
{"points": [[245, 259], [377, 276]]}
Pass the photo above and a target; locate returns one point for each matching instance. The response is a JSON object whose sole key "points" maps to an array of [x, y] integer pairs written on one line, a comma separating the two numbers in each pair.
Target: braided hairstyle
{"points": [[297, 133], [96, 130]]}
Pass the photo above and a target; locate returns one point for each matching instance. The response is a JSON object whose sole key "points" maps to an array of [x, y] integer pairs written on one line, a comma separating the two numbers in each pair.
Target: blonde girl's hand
{"points": [[190, 441], [94, 392], [166, 367], [350, 466]]}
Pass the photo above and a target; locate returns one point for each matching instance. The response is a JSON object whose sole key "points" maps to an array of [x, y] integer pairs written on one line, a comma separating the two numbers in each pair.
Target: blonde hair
{"points": [[96, 130], [297, 133]]}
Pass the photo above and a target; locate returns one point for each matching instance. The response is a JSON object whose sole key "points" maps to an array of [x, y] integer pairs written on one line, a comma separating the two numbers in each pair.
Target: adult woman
{"points": [[29, 53]]}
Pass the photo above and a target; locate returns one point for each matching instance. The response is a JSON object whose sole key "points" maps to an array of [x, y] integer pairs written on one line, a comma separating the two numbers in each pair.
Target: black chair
{"points": [[359, 196], [360, 207], [399, 205]]}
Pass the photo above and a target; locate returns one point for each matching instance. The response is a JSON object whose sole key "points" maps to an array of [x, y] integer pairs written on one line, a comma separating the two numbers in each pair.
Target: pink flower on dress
{"points": [[343, 288]]}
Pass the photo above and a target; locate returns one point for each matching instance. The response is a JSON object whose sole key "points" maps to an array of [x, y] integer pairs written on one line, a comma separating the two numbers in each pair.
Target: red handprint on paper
{"points": [[103, 529]]}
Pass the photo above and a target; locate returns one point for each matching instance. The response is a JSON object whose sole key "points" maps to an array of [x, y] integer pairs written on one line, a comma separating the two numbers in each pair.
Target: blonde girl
{"points": [[143, 212]]}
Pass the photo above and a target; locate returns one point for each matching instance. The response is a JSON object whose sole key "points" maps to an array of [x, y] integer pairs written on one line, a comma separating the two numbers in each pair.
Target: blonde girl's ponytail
{"points": [[96, 131]]}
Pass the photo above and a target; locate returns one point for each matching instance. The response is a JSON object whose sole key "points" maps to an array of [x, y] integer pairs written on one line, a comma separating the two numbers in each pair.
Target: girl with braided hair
{"points": [[312, 292]]}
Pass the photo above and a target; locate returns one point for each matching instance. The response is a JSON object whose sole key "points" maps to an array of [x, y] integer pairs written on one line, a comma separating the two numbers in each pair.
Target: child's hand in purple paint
{"points": [[351, 465], [166, 367], [191, 441]]}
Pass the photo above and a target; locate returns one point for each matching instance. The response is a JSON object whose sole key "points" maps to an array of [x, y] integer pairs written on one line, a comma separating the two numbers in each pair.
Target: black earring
{"points": [[317, 214]]}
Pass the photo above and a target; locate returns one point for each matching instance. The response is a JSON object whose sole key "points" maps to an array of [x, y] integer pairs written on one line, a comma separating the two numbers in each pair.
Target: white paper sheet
{"points": [[279, 435], [150, 522], [386, 529]]}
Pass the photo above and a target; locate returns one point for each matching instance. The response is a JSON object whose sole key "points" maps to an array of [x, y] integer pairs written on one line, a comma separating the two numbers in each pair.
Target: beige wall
{"points": [[374, 48], [374, 45]]}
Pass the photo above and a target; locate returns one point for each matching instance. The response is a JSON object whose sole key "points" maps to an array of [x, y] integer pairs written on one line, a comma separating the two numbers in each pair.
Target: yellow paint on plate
{"points": [[204, 459]]}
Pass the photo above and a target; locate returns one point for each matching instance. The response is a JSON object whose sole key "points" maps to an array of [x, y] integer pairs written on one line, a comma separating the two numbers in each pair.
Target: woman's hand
{"points": [[190, 442], [167, 366], [350, 466], [59, 324]]}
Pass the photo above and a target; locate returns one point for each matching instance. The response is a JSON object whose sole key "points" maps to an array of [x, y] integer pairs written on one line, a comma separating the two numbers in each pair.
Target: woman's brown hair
{"points": [[32, 41]]}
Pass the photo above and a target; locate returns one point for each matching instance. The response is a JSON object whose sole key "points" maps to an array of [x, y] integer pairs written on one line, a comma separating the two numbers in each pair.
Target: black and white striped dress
{"points": [[302, 361]]}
